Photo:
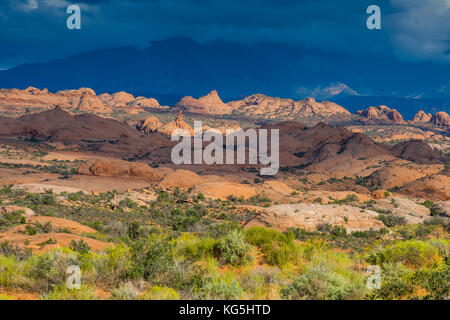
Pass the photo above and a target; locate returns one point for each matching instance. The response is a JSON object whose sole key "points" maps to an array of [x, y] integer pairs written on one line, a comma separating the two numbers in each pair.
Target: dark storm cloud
{"points": [[34, 30]]}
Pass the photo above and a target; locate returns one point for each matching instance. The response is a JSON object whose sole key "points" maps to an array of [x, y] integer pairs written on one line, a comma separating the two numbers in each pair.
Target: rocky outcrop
{"points": [[26, 212], [382, 113], [178, 123], [208, 104], [310, 216], [442, 208], [260, 105], [181, 178], [419, 152], [223, 190], [441, 119], [412, 211], [118, 168], [149, 125], [83, 99], [421, 116], [436, 187]]}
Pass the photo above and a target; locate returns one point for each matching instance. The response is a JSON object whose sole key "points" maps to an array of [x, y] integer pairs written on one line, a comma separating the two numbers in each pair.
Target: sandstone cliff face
{"points": [[421, 116], [83, 100], [381, 113]]}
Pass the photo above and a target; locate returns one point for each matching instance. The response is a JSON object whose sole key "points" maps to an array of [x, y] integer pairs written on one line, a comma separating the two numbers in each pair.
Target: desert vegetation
{"points": [[187, 247]]}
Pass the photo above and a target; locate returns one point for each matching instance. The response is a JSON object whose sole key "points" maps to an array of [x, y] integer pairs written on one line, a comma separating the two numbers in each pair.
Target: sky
{"points": [[411, 30]]}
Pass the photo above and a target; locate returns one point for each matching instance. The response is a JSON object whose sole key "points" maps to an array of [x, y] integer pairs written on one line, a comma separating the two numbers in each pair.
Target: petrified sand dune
{"points": [[421, 116], [118, 168], [309, 216], [391, 177], [83, 99], [16, 237], [436, 187], [181, 178], [208, 104], [412, 211], [419, 152], [222, 190], [381, 113]]}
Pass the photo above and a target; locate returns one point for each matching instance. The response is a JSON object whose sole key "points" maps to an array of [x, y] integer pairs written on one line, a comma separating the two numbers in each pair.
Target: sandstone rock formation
{"points": [[26, 212], [309, 216], [442, 208], [181, 178], [178, 123], [83, 99], [413, 212], [441, 119], [421, 116], [391, 177], [435, 187], [208, 104], [222, 190], [118, 168], [260, 105], [419, 152], [149, 125], [381, 113]]}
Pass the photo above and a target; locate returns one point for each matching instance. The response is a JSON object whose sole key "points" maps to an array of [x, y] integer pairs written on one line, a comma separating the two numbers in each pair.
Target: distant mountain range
{"points": [[176, 67]]}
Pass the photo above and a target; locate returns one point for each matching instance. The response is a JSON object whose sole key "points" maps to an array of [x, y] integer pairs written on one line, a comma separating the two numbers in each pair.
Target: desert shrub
{"points": [[320, 284], [258, 282], [279, 253], [198, 248], [391, 220], [413, 253], [113, 264], [116, 229], [126, 291], [75, 196], [259, 236], [428, 203], [41, 199], [324, 227], [233, 249], [159, 293], [50, 268], [13, 273], [436, 282], [395, 283], [61, 292], [80, 246], [220, 289], [154, 260], [6, 297], [279, 248], [11, 219], [338, 231], [7, 249], [128, 203], [222, 229]]}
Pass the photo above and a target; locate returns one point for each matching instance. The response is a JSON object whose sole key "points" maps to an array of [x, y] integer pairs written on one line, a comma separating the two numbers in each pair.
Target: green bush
{"points": [[61, 292], [233, 249], [221, 289], [321, 284], [413, 253], [159, 293], [391, 220]]}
